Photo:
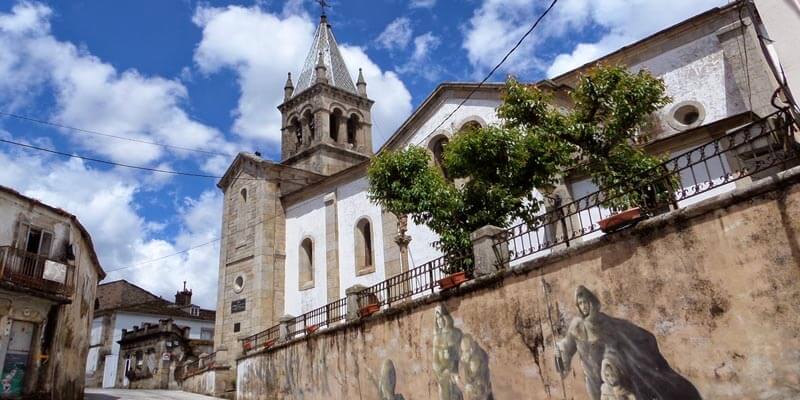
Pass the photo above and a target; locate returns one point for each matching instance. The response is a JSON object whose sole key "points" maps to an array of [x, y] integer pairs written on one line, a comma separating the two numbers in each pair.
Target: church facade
{"points": [[299, 232]]}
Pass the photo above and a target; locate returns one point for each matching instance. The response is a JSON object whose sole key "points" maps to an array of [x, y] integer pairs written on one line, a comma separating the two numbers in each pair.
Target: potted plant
{"points": [[247, 345], [371, 307], [311, 329], [457, 273], [269, 343], [620, 220]]}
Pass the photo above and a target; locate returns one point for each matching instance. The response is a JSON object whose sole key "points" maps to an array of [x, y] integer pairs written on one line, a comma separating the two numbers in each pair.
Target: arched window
{"points": [[437, 146], [96, 304], [306, 264], [352, 129], [336, 117], [244, 194], [470, 126], [309, 120], [298, 130], [364, 254]]}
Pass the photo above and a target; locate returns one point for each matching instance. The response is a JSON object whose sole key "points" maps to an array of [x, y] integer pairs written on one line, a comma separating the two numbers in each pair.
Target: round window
{"points": [[686, 115], [238, 284]]}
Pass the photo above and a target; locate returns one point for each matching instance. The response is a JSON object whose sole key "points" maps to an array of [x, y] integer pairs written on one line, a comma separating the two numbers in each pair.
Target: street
{"points": [[123, 394]]}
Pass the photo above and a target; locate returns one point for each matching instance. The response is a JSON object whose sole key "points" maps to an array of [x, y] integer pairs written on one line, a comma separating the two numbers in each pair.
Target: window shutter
{"points": [[47, 242], [22, 235]]}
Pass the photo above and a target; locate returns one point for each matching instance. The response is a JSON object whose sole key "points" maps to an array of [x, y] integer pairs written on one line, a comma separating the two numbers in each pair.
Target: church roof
{"points": [[336, 69]]}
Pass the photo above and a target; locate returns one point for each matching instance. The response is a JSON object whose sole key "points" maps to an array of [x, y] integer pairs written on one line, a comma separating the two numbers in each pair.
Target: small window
{"points": [[363, 242], [244, 194], [437, 147], [470, 126], [207, 333], [335, 120], [238, 284], [237, 327], [686, 115], [306, 264]]}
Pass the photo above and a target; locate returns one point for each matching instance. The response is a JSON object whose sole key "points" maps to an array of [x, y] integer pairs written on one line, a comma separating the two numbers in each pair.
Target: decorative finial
{"points": [[288, 88], [361, 84], [184, 286], [322, 75]]}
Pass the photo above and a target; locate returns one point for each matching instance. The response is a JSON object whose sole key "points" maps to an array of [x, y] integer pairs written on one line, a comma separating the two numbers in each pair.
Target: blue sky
{"points": [[209, 74]]}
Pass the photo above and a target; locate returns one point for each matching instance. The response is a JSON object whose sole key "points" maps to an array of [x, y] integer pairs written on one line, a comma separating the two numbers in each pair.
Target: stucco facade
{"points": [[47, 289], [708, 294]]}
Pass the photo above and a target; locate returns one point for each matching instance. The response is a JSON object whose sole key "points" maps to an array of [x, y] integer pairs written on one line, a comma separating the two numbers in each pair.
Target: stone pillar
{"points": [[342, 129], [332, 247], [222, 356], [283, 327], [488, 259], [402, 240], [322, 121], [353, 305]]}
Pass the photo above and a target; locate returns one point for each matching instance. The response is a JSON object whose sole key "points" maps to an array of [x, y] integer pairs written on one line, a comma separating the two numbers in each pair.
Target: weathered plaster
{"points": [[716, 284]]}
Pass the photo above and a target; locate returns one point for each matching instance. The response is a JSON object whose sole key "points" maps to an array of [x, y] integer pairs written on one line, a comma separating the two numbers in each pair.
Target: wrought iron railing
{"points": [[760, 148], [422, 279], [35, 271]]}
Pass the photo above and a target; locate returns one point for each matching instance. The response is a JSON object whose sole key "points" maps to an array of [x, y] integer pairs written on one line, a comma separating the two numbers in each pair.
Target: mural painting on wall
{"points": [[460, 365], [388, 382], [620, 360]]}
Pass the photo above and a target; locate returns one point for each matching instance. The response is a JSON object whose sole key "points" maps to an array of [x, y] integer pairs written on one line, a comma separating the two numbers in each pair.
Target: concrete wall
{"points": [[703, 301], [212, 382], [781, 18]]}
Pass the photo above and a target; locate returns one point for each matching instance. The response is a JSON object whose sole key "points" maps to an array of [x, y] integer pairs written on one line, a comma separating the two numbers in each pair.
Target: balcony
{"points": [[32, 271]]}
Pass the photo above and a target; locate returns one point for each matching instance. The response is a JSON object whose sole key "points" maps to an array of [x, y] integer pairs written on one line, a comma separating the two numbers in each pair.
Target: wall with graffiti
{"points": [[694, 306]]}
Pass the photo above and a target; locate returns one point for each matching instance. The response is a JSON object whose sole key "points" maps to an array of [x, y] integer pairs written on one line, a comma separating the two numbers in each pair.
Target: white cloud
{"points": [[392, 98], [396, 35], [420, 62], [92, 94], [422, 3], [105, 203], [235, 37], [498, 24]]}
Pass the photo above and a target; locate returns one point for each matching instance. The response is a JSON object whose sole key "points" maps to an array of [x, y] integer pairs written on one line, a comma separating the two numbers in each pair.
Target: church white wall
{"points": [[480, 110], [421, 248], [696, 71], [306, 219], [353, 205]]}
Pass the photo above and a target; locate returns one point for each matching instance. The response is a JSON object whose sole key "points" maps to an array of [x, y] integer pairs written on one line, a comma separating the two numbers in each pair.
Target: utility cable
{"points": [[496, 67], [98, 133], [137, 167]]}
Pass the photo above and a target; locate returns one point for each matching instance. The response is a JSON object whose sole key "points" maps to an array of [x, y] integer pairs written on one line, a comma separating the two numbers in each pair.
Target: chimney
{"points": [[184, 297]]}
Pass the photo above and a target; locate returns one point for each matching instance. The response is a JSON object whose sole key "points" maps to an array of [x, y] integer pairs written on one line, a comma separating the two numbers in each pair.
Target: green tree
{"points": [[498, 167]]}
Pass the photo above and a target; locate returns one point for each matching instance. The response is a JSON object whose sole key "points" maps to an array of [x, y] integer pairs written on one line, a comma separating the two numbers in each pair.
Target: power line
{"points": [[137, 167], [496, 67], [98, 133], [150, 261]]}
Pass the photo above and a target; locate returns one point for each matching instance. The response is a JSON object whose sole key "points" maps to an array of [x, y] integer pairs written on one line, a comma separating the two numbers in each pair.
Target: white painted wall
{"points": [[781, 19], [353, 205], [125, 320], [306, 219], [421, 248]]}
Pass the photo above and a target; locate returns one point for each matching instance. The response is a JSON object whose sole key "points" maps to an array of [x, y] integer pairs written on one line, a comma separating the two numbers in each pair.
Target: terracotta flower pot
{"points": [[311, 329], [269, 343], [369, 309], [247, 346], [452, 280], [620, 220]]}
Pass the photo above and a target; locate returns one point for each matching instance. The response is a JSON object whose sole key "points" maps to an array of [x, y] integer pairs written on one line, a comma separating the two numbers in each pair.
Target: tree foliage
{"points": [[498, 167]]}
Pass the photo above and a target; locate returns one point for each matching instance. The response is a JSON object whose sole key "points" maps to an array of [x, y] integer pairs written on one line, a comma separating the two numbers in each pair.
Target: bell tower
{"points": [[326, 119]]}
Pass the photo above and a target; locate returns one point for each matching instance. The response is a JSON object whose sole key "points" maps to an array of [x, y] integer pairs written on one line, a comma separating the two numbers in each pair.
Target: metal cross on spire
{"points": [[323, 4]]}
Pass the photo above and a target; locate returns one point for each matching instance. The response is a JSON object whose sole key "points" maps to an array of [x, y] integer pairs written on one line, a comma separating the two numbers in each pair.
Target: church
{"points": [[298, 233]]}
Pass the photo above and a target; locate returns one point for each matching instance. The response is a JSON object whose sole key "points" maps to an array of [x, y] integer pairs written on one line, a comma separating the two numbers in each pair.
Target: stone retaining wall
{"points": [[703, 301]]}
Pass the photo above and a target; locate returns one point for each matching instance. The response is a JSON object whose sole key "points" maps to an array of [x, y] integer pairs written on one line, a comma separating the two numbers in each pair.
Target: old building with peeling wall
{"points": [[48, 280]]}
